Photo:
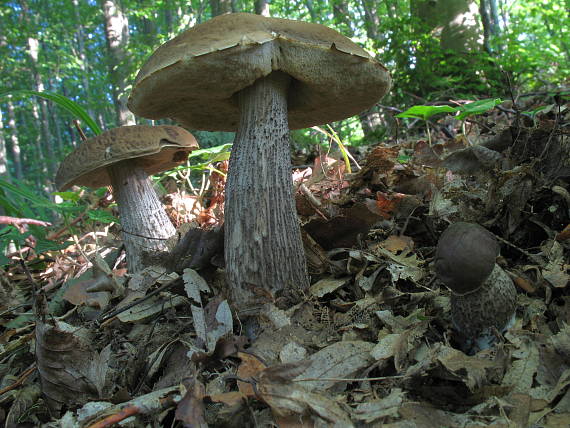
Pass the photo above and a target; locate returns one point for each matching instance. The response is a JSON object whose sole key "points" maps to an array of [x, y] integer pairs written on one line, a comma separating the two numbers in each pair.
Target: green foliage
{"points": [[205, 157], [64, 102], [533, 46], [477, 107], [102, 216], [19, 200], [425, 112]]}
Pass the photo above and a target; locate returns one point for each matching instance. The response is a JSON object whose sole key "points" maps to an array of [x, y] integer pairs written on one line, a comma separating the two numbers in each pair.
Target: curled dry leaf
{"points": [[72, 372]]}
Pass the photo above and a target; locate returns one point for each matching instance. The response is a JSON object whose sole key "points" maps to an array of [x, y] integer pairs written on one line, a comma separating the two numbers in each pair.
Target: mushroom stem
{"points": [[263, 245], [145, 225]]}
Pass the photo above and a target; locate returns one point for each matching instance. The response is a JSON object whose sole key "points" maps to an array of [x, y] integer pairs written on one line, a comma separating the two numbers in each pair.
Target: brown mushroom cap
{"points": [[156, 148], [193, 77], [465, 256]]}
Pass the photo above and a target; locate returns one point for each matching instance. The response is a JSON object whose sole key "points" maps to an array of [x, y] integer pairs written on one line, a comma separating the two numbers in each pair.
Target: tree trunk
{"points": [[371, 120], [219, 7], [312, 12], [263, 247], [44, 136], [168, 16], [460, 31], [371, 20], [80, 37], [341, 14], [56, 126], [4, 171], [262, 7], [486, 22], [117, 36], [15, 143]]}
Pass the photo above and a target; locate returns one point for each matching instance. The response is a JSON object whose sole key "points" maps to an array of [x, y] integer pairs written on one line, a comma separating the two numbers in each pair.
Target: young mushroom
{"points": [[124, 158], [260, 77], [483, 299]]}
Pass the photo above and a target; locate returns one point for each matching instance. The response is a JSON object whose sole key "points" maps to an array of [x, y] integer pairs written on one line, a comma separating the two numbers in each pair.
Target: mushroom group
{"points": [[124, 158], [483, 299], [260, 77]]}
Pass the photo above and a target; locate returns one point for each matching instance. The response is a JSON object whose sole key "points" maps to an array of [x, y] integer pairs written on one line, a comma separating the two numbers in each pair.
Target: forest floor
{"points": [[371, 343]]}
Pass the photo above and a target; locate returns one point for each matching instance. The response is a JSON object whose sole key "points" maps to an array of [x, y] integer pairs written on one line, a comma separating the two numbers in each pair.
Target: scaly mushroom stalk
{"points": [[483, 299], [144, 223], [263, 246], [124, 157]]}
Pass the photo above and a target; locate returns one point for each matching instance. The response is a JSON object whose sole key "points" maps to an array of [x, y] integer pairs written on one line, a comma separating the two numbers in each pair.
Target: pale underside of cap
{"points": [[194, 77], [155, 148]]}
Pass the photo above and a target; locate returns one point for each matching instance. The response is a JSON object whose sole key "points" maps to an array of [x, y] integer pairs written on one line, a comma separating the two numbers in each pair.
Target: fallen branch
{"points": [[19, 223]]}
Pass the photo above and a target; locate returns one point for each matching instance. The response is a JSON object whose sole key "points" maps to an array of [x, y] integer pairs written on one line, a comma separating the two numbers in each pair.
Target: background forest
{"points": [[90, 52]]}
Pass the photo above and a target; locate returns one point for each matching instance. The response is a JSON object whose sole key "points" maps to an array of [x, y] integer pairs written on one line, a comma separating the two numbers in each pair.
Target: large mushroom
{"points": [[260, 77], [483, 299], [124, 158]]}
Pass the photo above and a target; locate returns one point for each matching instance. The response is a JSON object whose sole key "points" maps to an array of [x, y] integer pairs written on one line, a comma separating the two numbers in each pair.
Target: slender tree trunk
{"points": [[341, 14], [44, 136], [486, 21], [371, 119], [168, 17], [262, 7], [219, 7], [56, 123], [495, 25], [4, 171], [15, 143], [372, 21], [312, 12], [80, 37], [117, 36]]}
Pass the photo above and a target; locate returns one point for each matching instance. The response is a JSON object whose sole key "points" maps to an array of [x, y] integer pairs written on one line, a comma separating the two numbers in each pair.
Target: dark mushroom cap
{"points": [[156, 148], [465, 256], [193, 77]]}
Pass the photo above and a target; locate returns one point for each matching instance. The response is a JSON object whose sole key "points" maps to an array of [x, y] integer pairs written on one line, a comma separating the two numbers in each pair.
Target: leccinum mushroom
{"points": [[483, 296], [260, 77], [124, 158]]}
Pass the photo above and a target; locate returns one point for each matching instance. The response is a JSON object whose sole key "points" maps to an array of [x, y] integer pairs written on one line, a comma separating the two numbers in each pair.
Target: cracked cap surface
{"points": [[193, 78], [156, 148]]}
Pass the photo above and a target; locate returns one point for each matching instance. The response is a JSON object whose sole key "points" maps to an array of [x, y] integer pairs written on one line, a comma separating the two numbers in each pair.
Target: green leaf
{"points": [[27, 194], [478, 107], [425, 112], [211, 151], [102, 216], [65, 103], [68, 196], [43, 245]]}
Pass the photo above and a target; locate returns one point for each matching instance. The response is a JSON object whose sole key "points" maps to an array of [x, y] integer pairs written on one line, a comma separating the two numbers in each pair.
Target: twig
{"points": [[105, 317], [151, 403], [55, 235], [19, 381], [349, 379], [79, 130], [20, 222]]}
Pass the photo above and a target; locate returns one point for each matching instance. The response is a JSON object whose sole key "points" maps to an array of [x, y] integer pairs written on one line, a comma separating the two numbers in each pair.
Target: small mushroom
{"points": [[124, 158], [483, 299], [260, 77]]}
